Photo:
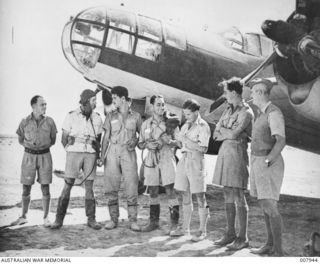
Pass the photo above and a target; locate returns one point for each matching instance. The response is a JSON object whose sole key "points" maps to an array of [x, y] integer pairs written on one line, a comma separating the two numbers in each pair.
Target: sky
{"points": [[32, 61]]}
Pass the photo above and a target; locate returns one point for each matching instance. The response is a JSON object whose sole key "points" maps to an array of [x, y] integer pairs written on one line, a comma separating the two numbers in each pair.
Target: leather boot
{"points": [[204, 214], [185, 230], [114, 215], [242, 239], [174, 217], [61, 212], [90, 205], [230, 235], [132, 215], [154, 218]]}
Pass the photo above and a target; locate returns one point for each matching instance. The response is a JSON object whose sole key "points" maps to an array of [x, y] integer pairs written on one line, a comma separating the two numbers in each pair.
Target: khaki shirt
{"points": [[37, 136], [84, 131], [275, 121], [239, 120], [152, 129], [120, 131], [198, 132]]}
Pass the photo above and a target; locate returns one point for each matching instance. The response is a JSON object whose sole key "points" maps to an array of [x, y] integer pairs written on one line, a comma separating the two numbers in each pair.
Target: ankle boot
{"points": [[174, 217], [132, 215], [90, 205], [114, 215], [61, 212], [154, 218]]}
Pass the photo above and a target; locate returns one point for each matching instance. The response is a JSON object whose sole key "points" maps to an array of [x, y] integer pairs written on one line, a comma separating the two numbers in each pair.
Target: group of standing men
{"points": [[123, 130]]}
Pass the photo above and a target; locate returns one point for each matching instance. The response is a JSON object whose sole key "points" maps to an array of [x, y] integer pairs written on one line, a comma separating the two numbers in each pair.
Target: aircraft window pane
{"points": [[123, 20], [95, 14], [175, 37], [149, 28], [88, 33], [148, 50], [86, 55], [66, 46], [266, 46], [120, 41], [233, 37], [253, 44]]}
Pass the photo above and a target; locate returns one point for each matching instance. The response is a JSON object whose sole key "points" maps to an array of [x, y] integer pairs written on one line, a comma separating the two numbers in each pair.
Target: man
{"points": [[81, 136], [160, 162], [37, 133], [231, 170], [267, 166], [190, 176], [121, 128]]}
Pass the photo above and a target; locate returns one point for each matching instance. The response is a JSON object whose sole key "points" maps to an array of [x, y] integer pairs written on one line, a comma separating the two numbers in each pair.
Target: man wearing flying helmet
{"points": [[81, 139]]}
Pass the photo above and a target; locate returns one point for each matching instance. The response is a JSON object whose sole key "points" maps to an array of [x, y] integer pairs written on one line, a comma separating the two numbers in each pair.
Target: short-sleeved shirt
{"points": [[37, 136], [275, 121], [120, 131], [152, 129], [198, 132], [238, 119], [84, 130]]}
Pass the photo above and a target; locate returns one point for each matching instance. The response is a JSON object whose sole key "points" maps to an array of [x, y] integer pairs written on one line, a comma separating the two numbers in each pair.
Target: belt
{"points": [[36, 152], [84, 141], [262, 152]]}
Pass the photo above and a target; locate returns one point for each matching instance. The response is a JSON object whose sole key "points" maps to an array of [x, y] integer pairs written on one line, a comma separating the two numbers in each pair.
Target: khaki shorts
{"points": [[163, 174], [191, 173], [77, 161], [32, 164], [265, 182]]}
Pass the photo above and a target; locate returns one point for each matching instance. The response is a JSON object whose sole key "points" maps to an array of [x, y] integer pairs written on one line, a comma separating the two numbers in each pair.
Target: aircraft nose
{"points": [[82, 38]]}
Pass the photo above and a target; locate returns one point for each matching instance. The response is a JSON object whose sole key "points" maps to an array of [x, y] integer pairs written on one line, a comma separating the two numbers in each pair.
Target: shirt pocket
{"points": [[29, 132], [115, 126]]}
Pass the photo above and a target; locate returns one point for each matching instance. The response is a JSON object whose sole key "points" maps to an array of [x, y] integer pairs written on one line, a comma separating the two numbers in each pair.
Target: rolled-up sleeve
{"points": [[276, 123]]}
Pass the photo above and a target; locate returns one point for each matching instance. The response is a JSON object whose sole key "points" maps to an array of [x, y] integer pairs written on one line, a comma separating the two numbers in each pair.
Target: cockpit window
{"points": [[266, 46], [97, 15], [149, 38], [233, 37], [87, 32], [252, 44], [149, 28], [148, 50], [120, 41], [174, 37], [123, 20], [117, 39], [86, 56]]}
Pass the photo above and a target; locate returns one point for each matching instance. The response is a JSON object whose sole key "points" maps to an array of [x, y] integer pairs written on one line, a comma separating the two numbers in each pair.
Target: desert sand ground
{"points": [[299, 205]]}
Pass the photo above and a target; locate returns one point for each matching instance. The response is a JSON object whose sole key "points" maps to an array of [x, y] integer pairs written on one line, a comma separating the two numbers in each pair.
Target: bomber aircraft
{"points": [[148, 56]]}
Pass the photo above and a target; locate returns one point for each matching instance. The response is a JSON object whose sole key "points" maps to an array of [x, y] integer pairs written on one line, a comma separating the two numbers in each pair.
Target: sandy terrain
{"points": [[301, 216]]}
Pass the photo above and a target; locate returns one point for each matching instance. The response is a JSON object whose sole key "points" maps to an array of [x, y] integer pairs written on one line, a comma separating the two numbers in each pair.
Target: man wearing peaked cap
{"points": [[81, 137]]}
